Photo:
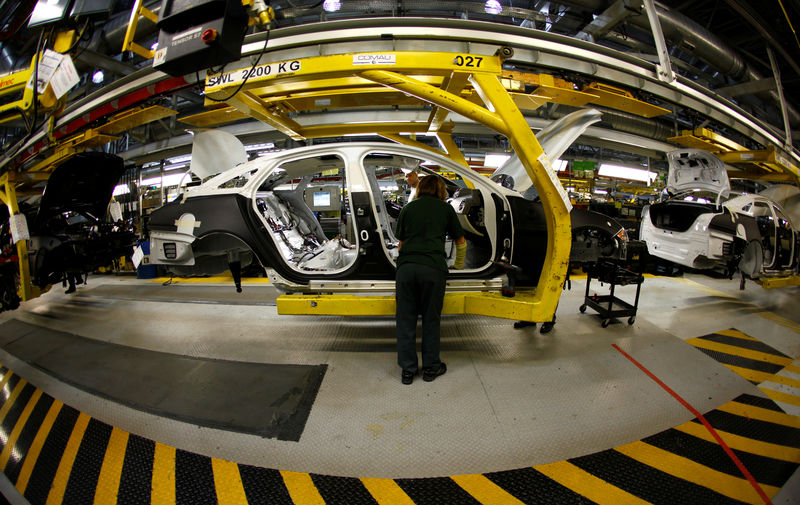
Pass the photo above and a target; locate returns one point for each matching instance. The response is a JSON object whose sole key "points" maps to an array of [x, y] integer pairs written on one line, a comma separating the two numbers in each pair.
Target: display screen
{"points": [[322, 199], [96, 8], [48, 11]]}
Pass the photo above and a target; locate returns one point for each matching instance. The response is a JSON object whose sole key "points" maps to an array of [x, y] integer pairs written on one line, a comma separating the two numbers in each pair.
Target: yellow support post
{"points": [[127, 43], [9, 196], [555, 201]]}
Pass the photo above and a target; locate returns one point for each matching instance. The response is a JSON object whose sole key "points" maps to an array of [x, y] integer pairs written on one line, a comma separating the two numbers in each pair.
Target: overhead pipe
{"points": [[709, 48]]}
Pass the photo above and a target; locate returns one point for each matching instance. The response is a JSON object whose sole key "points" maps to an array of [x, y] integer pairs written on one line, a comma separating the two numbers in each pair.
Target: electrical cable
{"points": [[249, 73], [32, 128], [77, 39], [789, 21]]}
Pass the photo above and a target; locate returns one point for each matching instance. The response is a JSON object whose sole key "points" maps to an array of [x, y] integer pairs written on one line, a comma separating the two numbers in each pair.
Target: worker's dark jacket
{"points": [[421, 227]]}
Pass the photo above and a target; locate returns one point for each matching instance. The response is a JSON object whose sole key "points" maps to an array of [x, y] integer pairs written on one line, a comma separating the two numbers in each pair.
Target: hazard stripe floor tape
{"points": [[55, 454]]}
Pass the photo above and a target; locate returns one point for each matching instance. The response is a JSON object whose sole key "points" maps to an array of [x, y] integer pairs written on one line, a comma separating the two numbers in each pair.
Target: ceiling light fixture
{"points": [[495, 160], [621, 172], [493, 7], [331, 5]]}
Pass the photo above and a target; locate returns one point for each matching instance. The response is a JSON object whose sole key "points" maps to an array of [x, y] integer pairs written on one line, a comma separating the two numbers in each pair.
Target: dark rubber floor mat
{"points": [[270, 400], [182, 293]]}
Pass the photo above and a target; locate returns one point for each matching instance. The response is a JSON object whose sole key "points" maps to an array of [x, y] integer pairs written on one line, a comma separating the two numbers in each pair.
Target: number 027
{"points": [[468, 61]]}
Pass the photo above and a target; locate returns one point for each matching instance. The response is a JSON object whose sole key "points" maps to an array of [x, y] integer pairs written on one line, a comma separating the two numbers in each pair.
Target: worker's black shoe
{"points": [[407, 376], [431, 373]]}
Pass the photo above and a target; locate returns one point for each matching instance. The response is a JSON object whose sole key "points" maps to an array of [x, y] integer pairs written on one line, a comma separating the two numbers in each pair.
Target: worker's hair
{"points": [[432, 185]]}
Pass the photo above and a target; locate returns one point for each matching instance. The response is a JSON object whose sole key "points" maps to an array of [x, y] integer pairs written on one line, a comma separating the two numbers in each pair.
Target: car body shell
{"points": [[220, 223], [749, 233], [67, 226]]}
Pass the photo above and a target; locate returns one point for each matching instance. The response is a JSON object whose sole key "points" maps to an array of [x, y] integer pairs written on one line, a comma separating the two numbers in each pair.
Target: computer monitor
{"points": [[95, 9], [322, 198], [49, 11]]}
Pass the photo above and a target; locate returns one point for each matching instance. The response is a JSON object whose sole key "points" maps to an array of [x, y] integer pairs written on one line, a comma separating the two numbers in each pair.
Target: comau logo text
{"points": [[374, 59]]}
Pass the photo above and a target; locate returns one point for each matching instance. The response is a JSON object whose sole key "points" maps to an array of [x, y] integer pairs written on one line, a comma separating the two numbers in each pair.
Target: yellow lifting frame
{"points": [[500, 114]]}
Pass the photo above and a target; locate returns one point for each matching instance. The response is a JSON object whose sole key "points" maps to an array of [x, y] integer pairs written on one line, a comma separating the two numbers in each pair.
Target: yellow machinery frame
{"points": [[8, 196], [467, 84]]}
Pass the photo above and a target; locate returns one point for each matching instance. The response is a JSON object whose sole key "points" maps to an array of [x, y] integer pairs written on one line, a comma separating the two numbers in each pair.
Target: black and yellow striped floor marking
{"points": [[55, 454], [772, 371]]}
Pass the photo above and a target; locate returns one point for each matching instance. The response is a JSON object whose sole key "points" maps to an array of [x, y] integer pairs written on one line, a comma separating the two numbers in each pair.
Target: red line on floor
{"points": [[703, 420]]}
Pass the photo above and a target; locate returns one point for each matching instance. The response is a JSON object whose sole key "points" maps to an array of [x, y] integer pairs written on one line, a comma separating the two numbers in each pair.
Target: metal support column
{"points": [[784, 112], [664, 66]]}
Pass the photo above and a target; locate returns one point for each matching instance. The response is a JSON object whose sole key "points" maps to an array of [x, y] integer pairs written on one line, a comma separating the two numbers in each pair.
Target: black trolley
{"points": [[609, 306]]}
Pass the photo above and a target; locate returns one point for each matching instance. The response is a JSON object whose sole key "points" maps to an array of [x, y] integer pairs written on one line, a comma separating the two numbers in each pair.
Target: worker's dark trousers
{"points": [[419, 291]]}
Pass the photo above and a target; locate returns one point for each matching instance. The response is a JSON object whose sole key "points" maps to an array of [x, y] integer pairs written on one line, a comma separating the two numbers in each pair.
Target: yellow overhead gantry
{"points": [[467, 84]]}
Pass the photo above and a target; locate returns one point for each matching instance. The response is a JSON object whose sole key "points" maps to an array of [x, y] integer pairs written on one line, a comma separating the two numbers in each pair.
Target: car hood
{"points": [[84, 183], [695, 169], [555, 139]]}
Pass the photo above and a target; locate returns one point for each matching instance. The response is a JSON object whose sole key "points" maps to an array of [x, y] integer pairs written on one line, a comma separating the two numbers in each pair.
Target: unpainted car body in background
{"points": [[700, 227]]}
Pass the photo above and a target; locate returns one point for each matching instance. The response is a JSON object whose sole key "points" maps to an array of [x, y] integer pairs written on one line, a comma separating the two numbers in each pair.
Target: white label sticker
{"points": [[137, 256], [160, 56], [115, 209], [65, 77], [19, 227], [186, 224], [545, 161], [237, 76], [48, 63], [374, 59]]}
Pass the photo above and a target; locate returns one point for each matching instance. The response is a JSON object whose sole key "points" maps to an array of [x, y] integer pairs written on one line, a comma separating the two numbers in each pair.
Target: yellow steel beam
{"points": [[445, 137], [453, 83], [68, 148], [347, 65], [363, 129], [133, 118], [438, 96], [616, 98], [127, 43], [7, 188], [779, 282], [524, 306], [319, 86], [394, 137], [555, 200], [214, 117], [529, 101], [11, 84], [562, 94], [267, 113], [703, 138]]}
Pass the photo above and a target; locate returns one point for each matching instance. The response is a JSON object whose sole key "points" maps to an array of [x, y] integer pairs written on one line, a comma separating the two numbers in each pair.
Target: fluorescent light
{"points": [[495, 160], [492, 7], [331, 5], [560, 165], [169, 180], [98, 77], [599, 191], [180, 159], [121, 189], [621, 172], [256, 147]]}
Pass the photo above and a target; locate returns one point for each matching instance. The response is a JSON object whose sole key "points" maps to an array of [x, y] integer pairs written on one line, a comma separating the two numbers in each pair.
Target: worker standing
{"points": [[422, 228], [412, 178]]}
